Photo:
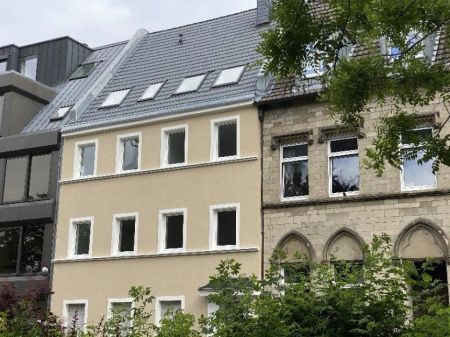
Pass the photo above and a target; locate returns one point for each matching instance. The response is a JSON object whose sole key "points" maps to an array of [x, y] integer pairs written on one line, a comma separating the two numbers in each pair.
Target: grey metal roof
{"points": [[207, 47], [72, 90]]}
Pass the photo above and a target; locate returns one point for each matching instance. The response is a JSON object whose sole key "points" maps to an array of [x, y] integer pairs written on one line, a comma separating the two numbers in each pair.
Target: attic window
{"points": [[82, 71], [115, 98], [229, 76], [151, 91], [61, 112], [190, 84]]}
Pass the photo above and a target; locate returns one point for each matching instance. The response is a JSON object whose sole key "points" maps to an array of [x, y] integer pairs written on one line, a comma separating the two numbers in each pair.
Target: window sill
{"points": [[159, 170], [341, 195], [174, 165], [289, 199], [172, 251], [121, 254], [79, 257], [221, 159], [159, 255], [418, 188], [234, 247]]}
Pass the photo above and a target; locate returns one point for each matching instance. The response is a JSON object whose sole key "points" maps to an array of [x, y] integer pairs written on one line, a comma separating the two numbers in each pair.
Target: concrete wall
{"points": [[197, 186]]}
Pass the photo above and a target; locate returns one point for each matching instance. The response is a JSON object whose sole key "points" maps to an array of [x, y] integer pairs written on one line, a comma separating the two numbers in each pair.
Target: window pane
{"points": [[62, 112], [190, 84], [87, 160], [9, 249], [176, 147], [15, 179], [229, 76], [76, 313], [174, 231], [226, 228], [295, 179], [3, 64], [32, 246], [227, 140], [344, 145], [82, 71], [173, 305], [123, 310], [130, 154], [115, 98], [295, 272], [39, 177], [295, 151], [415, 174], [28, 67], [83, 238], [152, 91], [345, 174], [126, 242]]}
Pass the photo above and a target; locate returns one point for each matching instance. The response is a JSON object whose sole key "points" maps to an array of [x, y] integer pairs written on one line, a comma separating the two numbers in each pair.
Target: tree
{"points": [[319, 33]]}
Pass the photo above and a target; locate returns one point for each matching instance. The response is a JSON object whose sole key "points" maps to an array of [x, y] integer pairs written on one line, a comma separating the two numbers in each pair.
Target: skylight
{"points": [[83, 71], [61, 112], [115, 98], [190, 84], [229, 76], [151, 91]]}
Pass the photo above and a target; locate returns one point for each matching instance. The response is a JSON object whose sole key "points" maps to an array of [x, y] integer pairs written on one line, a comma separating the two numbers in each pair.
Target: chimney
{"points": [[263, 12]]}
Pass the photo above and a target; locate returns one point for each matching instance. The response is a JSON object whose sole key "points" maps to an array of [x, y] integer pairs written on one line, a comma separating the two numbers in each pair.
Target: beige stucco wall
{"points": [[193, 187]]}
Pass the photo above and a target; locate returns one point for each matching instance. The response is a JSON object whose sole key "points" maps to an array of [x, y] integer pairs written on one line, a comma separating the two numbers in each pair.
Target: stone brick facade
{"points": [[380, 207]]}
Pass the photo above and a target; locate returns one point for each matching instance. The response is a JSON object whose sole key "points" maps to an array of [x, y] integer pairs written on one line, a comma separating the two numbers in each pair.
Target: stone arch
{"points": [[346, 245], [421, 239], [294, 242]]}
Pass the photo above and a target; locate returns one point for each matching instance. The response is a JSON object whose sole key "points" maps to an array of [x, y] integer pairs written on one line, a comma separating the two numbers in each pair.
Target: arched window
{"points": [[297, 249], [345, 251], [420, 240], [344, 245]]}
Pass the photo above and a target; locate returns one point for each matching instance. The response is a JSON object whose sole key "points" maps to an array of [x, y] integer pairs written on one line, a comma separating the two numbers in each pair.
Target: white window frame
{"points": [[289, 160], [66, 304], [242, 70], [215, 123], [77, 158], [120, 149], [332, 155], [213, 210], [111, 301], [165, 132], [162, 229], [402, 170], [73, 237], [157, 85], [160, 299], [116, 233]]}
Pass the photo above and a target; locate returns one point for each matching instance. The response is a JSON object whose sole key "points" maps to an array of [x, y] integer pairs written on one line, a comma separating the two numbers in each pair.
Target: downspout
{"points": [[55, 222], [261, 140]]}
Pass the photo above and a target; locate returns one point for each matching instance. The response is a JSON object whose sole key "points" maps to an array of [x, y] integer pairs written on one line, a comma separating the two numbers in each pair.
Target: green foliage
{"points": [[306, 32], [336, 299]]}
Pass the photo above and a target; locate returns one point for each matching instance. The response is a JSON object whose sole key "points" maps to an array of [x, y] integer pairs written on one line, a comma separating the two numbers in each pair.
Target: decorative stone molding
{"points": [[299, 136]]}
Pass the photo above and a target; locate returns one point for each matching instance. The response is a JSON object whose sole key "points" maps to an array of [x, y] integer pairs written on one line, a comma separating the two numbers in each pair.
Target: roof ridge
{"points": [[110, 45], [204, 21]]}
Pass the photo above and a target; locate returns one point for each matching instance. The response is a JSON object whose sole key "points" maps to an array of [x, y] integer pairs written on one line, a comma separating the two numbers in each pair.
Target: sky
{"points": [[100, 22]]}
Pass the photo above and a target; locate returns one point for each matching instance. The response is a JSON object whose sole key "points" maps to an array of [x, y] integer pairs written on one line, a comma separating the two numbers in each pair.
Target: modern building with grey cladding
{"points": [[42, 86]]}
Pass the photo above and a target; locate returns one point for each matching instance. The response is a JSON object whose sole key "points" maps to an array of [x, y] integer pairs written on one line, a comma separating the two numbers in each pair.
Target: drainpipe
{"points": [[261, 124]]}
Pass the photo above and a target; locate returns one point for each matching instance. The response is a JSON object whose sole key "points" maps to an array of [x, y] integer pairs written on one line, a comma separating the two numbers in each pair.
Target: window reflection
{"points": [[296, 179], [418, 175], [130, 154], [345, 174]]}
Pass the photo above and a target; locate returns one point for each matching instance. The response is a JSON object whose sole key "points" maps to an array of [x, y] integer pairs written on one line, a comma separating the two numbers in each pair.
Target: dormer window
{"points": [[83, 71], [191, 84], [62, 112], [115, 98], [412, 39], [151, 91], [229, 76]]}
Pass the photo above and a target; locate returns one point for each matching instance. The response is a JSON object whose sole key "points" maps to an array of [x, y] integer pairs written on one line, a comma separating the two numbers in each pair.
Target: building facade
{"points": [[41, 86], [160, 176], [321, 200]]}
